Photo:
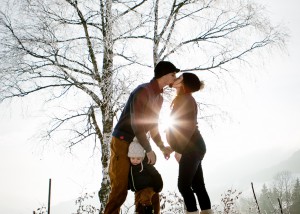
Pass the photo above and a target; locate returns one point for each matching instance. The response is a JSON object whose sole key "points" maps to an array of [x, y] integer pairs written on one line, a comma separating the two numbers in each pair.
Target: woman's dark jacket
{"points": [[148, 177], [183, 135]]}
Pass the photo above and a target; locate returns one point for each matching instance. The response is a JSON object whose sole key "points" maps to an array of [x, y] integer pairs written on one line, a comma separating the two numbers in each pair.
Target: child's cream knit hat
{"points": [[135, 149]]}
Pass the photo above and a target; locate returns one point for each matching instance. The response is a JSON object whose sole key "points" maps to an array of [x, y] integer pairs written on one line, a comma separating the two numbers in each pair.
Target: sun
{"points": [[165, 121]]}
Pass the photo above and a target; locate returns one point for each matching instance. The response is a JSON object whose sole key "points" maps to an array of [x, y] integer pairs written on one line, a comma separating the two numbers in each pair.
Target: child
{"points": [[185, 139], [144, 179]]}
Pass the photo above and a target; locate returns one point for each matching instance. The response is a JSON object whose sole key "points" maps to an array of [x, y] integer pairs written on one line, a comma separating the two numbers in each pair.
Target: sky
{"points": [[263, 130]]}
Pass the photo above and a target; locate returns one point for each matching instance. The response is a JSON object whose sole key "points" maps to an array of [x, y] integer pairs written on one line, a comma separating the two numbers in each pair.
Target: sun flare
{"points": [[165, 121]]}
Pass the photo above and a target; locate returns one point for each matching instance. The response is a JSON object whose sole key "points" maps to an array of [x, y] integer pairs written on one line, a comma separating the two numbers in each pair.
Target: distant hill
{"points": [[291, 164]]}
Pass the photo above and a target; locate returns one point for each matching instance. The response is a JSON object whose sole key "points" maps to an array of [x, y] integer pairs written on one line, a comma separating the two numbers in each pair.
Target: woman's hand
{"points": [[177, 156]]}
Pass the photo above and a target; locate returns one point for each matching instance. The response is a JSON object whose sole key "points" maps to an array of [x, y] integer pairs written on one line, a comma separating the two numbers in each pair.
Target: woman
{"points": [[188, 144]]}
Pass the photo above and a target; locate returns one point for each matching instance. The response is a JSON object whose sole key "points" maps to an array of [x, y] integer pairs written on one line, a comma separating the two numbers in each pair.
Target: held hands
{"points": [[166, 150]]}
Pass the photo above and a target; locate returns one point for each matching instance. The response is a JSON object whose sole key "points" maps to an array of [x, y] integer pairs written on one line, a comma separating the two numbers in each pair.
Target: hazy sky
{"points": [[264, 130]]}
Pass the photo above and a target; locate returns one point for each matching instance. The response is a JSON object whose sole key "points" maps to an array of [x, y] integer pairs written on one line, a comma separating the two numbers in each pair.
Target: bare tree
{"points": [[283, 183], [89, 48]]}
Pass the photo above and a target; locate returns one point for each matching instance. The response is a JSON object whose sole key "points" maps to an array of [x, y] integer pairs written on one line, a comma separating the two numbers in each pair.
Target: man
{"points": [[139, 117]]}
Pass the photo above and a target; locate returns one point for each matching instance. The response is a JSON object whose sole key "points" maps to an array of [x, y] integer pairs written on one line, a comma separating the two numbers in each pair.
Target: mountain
{"points": [[292, 164]]}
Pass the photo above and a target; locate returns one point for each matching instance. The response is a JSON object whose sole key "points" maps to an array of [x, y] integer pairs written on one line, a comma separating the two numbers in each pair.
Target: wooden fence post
{"points": [[49, 196]]}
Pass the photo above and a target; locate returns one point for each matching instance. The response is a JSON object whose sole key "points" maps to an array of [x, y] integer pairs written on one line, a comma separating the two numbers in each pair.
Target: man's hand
{"points": [[151, 157], [167, 150]]}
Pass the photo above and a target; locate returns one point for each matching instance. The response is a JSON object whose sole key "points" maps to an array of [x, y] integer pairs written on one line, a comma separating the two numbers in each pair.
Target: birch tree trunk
{"points": [[107, 109]]}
